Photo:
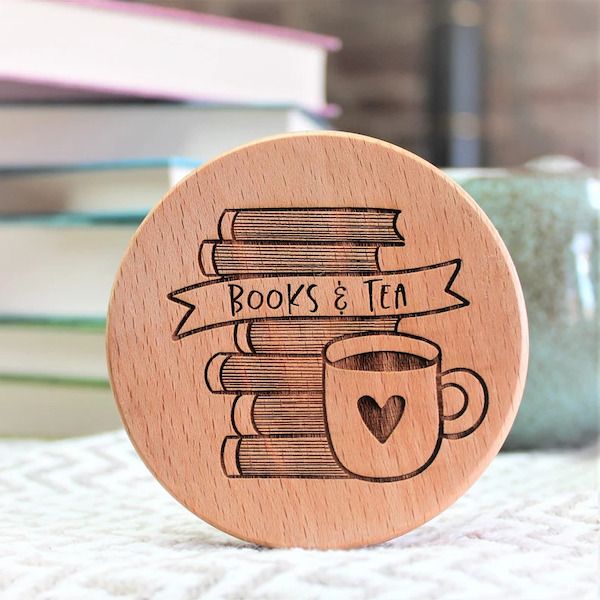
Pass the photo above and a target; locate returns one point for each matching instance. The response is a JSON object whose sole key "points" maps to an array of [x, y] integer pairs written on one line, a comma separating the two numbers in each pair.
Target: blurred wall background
{"points": [[532, 80]]}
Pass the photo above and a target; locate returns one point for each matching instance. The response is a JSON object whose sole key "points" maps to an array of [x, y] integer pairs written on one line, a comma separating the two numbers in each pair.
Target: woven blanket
{"points": [[83, 519]]}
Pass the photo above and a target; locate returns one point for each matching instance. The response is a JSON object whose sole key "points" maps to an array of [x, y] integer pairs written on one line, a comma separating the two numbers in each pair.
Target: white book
{"points": [[99, 188], [56, 269], [55, 409], [62, 351], [62, 134], [159, 52]]}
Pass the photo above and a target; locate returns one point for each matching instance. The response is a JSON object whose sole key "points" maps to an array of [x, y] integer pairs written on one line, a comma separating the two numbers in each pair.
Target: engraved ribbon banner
{"points": [[405, 293]]}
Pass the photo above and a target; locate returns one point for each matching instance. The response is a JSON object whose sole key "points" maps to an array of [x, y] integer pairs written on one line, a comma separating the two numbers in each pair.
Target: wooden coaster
{"points": [[317, 340]]}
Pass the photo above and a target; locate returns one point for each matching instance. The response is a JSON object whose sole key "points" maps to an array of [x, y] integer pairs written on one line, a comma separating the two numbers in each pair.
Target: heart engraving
{"points": [[381, 420]]}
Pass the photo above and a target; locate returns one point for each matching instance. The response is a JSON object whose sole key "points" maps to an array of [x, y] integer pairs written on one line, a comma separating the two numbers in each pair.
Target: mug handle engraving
{"points": [[474, 390]]}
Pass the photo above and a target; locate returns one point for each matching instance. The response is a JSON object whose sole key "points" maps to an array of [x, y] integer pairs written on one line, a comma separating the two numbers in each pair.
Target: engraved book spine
{"points": [[308, 457], [303, 336], [238, 373], [253, 258], [279, 414], [326, 225]]}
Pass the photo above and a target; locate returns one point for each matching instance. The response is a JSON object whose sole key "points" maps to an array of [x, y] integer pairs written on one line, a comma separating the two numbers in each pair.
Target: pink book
{"points": [[57, 50]]}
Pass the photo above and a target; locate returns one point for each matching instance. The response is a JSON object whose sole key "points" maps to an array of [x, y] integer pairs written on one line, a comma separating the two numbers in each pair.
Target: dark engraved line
{"points": [[220, 223], [448, 288], [223, 446], [243, 342], [461, 411], [304, 243], [223, 466], [285, 436], [353, 209], [252, 418], [232, 414], [462, 434], [225, 356], [213, 256]]}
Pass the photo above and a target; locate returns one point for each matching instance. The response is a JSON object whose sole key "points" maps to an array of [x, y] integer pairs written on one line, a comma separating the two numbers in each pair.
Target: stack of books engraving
{"points": [[278, 412], [97, 124]]}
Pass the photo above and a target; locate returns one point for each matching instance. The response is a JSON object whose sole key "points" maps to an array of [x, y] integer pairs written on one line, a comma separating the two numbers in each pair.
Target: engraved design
{"points": [[381, 420], [316, 297]]}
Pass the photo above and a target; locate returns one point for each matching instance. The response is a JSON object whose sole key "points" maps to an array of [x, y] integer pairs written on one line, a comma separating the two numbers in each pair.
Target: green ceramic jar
{"points": [[550, 224]]}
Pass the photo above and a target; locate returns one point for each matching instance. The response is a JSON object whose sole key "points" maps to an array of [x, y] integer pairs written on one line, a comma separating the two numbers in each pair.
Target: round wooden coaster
{"points": [[317, 340]]}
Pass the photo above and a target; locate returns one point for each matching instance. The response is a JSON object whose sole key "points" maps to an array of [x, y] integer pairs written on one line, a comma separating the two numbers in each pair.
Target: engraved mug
{"points": [[384, 397]]}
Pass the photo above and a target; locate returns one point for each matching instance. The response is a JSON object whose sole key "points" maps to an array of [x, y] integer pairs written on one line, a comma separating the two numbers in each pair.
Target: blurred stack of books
{"points": [[104, 106]]}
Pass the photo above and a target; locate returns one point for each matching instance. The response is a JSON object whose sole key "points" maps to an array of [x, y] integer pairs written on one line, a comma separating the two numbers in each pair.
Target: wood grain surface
{"points": [[317, 340]]}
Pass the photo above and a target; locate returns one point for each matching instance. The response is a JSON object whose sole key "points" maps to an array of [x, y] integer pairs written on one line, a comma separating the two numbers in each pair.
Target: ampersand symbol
{"points": [[340, 293]]}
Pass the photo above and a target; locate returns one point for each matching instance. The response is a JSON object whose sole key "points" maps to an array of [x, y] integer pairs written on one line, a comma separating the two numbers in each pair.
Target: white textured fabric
{"points": [[82, 519]]}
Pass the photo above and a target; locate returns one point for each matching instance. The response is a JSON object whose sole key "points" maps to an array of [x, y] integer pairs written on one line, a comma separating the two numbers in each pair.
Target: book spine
{"points": [[256, 456], [235, 258], [302, 336], [237, 373], [281, 414], [326, 225]]}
